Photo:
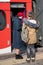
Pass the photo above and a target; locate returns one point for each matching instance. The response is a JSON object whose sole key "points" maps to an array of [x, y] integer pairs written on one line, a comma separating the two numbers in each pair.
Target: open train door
{"points": [[15, 8], [5, 44]]}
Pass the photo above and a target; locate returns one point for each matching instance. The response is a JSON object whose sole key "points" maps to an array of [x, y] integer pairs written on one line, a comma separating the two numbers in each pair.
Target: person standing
{"points": [[17, 28], [32, 27]]}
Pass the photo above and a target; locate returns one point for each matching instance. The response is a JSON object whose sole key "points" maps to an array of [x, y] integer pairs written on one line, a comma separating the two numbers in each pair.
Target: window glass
{"points": [[2, 20]]}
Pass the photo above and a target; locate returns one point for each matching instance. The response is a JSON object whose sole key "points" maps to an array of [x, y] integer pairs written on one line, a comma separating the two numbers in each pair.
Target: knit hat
{"points": [[20, 14]]}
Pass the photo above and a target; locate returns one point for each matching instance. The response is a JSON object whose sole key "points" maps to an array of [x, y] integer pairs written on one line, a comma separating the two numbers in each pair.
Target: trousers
{"points": [[30, 50]]}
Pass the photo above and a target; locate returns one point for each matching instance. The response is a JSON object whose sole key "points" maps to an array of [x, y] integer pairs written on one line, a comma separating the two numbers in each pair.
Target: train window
{"points": [[2, 20]]}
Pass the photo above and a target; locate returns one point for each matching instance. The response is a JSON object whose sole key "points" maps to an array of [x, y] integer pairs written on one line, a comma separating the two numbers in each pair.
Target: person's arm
{"points": [[31, 24]]}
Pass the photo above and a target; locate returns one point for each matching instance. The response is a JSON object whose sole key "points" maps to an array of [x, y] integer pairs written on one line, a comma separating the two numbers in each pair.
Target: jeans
{"points": [[30, 51]]}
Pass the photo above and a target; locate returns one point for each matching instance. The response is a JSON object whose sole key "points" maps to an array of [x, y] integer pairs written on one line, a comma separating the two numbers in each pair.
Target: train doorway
{"points": [[15, 8]]}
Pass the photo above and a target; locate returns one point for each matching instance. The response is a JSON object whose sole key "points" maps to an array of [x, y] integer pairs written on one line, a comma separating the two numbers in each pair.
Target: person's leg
{"points": [[17, 54], [17, 51], [17, 44], [32, 53], [28, 53]]}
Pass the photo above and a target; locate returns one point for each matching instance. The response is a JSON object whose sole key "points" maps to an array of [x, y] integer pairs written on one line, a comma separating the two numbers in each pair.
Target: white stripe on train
{"points": [[4, 0], [5, 50]]}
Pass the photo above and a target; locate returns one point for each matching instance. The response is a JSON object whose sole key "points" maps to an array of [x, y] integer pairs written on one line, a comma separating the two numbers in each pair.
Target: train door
{"points": [[15, 8], [5, 45]]}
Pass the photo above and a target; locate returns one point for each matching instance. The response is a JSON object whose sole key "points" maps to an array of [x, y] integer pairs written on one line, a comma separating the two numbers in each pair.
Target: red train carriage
{"points": [[6, 7]]}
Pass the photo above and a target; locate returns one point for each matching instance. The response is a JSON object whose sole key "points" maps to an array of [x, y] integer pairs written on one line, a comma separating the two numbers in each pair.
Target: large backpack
{"points": [[24, 33]]}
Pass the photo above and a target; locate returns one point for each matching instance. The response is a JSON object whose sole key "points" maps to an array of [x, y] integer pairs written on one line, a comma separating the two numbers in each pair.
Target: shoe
{"points": [[28, 60], [33, 59], [18, 57]]}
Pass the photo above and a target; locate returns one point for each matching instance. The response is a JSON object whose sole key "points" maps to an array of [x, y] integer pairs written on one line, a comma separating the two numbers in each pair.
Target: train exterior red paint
{"points": [[5, 16]]}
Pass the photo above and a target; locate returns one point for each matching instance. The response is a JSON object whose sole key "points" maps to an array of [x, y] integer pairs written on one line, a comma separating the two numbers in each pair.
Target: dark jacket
{"points": [[17, 27]]}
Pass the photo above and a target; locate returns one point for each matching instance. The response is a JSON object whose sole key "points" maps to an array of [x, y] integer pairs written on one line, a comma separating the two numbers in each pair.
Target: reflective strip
{"points": [[8, 42], [8, 26]]}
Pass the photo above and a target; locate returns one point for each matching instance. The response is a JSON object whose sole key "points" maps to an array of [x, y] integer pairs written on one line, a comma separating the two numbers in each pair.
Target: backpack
{"points": [[24, 33]]}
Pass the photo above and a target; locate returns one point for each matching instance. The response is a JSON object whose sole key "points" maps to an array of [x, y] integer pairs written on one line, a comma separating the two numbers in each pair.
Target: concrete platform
{"points": [[10, 60]]}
